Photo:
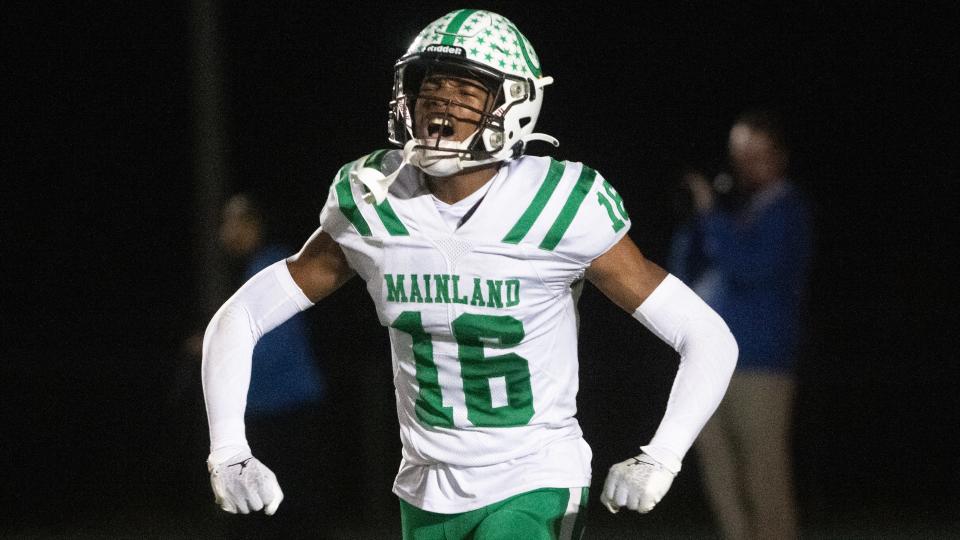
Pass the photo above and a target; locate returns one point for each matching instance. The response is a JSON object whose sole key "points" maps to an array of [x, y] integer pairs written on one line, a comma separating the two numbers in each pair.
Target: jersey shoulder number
{"points": [[569, 209]]}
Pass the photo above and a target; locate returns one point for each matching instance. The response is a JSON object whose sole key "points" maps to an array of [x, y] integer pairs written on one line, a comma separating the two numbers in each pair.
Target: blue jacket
{"points": [[285, 375], [752, 268]]}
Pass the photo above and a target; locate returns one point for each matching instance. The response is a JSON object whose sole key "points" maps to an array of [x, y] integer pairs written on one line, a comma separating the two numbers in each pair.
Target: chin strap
{"points": [[539, 84], [539, 137], [376, 182]]}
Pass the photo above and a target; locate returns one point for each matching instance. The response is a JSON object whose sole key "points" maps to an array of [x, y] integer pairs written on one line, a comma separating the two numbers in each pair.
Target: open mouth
{"points": [[440, 126]]}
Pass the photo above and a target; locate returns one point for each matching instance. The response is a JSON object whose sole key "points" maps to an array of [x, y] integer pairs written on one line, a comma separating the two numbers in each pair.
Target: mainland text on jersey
{"points": [[452, 289]]}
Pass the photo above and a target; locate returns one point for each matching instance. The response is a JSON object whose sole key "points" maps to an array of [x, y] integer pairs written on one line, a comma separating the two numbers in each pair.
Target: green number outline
{"points": [[472, 332], [429, 407]]}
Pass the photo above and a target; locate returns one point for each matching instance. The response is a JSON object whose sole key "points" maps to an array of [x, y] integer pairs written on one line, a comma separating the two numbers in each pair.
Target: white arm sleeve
{"points": [[264, 302], [708, 355]]}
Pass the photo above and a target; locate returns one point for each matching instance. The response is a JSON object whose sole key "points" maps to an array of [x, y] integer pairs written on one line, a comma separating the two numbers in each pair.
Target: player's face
{"points": [[449, 108]]}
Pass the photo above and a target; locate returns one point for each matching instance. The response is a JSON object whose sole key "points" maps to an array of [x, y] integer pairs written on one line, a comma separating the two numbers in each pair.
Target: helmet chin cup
{"points": [[441, 158], [437, 163]]}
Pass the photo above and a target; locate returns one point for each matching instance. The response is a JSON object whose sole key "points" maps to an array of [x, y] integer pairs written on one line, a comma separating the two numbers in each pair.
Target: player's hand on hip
{"points": [[241, 483], [637, 483]]}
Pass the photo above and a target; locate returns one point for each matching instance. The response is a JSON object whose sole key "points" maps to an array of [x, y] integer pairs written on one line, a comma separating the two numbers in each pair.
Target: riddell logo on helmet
{"points": [[445, 49]]}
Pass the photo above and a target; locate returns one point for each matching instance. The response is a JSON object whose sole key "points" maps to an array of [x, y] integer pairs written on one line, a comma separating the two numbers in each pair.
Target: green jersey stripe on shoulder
{"points": [[530, 215], [349, 206], [375, 159], [569, 210], [455, 24], [390, 220]]}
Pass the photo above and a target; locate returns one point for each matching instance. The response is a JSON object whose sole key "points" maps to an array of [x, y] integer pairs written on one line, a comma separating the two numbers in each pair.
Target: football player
{"points": [[474, 255]]}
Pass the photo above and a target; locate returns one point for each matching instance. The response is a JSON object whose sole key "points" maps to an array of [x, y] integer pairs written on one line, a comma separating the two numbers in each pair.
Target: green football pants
{"points": [[542, 514]]}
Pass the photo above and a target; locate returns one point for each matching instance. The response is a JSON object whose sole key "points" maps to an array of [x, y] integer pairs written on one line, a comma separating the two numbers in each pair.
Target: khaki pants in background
{"points": [[746, 458]]}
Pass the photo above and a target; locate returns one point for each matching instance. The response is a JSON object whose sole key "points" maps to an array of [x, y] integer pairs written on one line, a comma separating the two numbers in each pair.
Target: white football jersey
{"points": [[482, 322]]}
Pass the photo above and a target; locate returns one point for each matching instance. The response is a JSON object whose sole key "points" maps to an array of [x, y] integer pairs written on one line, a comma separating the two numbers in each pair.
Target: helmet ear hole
{"points": [[523, 122]]}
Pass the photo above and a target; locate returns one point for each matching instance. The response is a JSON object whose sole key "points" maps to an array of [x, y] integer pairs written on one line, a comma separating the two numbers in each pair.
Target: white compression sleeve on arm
{"points": [[264, 302], [708, 355]]}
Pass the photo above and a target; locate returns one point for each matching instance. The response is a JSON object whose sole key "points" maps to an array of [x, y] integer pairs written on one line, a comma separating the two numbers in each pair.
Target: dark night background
{"points": [[103, 433]]}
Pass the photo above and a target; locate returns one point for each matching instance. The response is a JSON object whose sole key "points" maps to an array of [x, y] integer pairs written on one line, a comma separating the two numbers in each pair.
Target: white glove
{"points": [[242, 484], [637, 483]]}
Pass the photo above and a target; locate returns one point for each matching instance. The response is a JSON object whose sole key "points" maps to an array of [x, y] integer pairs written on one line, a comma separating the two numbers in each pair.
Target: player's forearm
{"points": [[227, 358], [267, 300], [708, 356]]}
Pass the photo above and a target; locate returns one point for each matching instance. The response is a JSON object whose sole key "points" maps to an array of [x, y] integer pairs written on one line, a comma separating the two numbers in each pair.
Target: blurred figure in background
{"points": [[746, 251]]}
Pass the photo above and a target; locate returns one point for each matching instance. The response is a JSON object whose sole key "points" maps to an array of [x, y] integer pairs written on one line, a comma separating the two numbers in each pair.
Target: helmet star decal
{"points": [[493, 36]]}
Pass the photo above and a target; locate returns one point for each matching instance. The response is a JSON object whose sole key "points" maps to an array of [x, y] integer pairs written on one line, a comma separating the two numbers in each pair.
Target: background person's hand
{"points": [[700, 190]]}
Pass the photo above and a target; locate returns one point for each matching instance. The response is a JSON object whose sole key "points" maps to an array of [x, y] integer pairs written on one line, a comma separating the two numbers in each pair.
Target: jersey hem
{"points": [[486, 501]]}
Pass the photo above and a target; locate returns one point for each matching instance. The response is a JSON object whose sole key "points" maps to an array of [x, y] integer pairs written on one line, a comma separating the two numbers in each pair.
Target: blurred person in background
{"points": [[746, 251]]}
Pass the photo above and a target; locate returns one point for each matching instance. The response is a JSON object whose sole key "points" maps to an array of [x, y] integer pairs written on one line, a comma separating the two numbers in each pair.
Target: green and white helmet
{"points": [[487, 47]]}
